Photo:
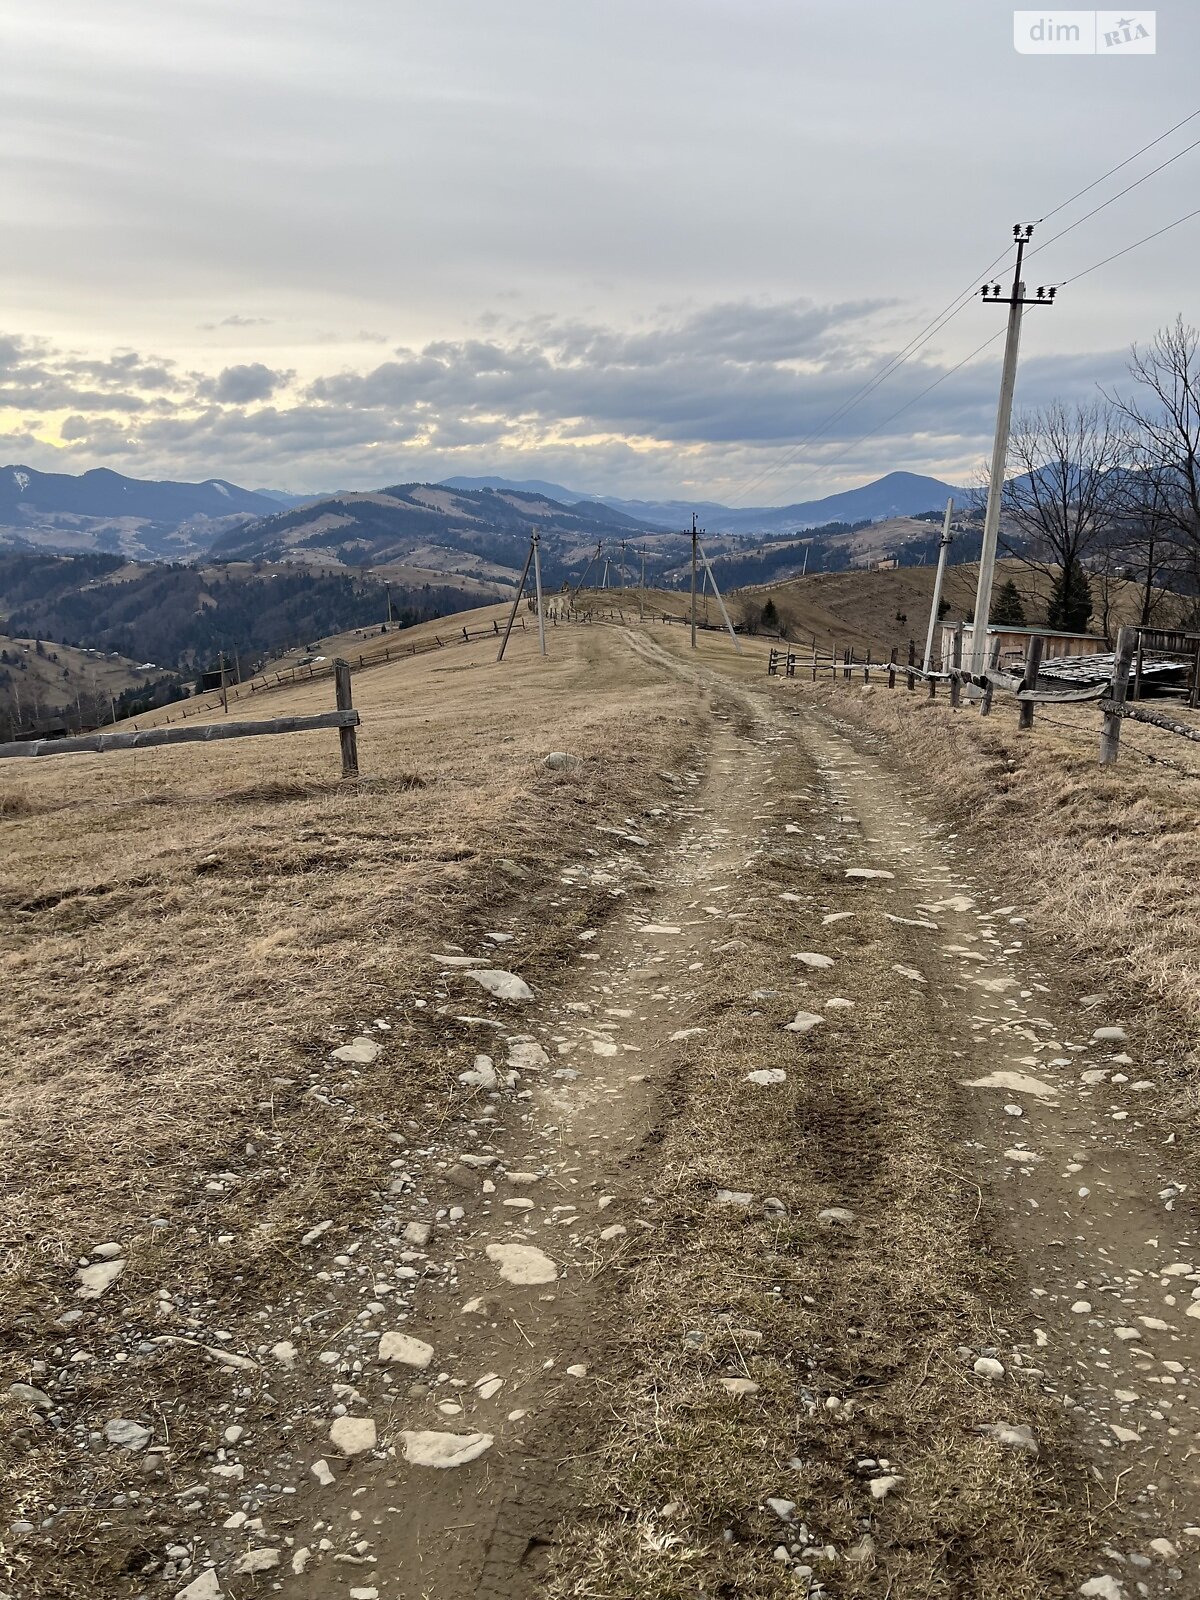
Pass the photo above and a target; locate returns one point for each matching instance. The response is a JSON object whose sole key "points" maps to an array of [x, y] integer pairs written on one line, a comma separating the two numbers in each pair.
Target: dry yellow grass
{"points": [[186, 934]]}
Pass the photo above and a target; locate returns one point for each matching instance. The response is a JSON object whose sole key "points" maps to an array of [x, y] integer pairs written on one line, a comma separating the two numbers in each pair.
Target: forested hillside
{"points": [[180, 617]]}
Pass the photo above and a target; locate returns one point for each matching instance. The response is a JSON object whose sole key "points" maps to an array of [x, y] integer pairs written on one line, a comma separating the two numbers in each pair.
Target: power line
{"points": [[960, 301], [1119, 195], [929, 388], [1157, 234], [980, 348], [893, 364], [1096, 182]]}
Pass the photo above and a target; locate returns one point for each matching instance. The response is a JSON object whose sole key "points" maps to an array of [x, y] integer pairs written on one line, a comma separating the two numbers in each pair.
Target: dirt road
{"points": [[807, 1238]]}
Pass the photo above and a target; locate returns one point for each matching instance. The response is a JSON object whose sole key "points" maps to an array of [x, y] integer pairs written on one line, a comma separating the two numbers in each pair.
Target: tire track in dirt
{"points": [[1080, 1186], [557, 1167]]}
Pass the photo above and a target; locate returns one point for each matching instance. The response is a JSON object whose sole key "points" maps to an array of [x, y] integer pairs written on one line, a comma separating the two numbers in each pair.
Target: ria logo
{"points": [[1126, 31], [1084, 33]]}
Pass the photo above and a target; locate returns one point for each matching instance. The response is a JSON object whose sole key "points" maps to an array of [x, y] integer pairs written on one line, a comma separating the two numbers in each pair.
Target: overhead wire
{"points": [[961, 300]]}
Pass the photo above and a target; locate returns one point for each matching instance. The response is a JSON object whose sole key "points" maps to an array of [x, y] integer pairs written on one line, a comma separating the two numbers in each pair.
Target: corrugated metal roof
{"points": [[1099, 668]]}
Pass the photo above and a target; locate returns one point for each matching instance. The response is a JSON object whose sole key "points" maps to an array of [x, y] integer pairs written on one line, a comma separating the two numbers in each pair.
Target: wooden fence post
{"points": [[1110, 733], [1033, 665], [985, 705], [912, 661], [956, 667], [867, 668], [348, 736]]}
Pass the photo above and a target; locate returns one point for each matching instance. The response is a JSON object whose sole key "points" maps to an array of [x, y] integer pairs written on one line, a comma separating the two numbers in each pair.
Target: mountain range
{"points": [[143, 520], [898, 494], [421, 527], [134, 517]]}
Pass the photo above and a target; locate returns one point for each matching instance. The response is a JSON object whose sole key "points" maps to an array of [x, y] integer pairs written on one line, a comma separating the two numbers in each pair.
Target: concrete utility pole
{"points": [[1016, 303], [695, 542], [642, 590], [943, 552], [711, 576], [536, 541]]}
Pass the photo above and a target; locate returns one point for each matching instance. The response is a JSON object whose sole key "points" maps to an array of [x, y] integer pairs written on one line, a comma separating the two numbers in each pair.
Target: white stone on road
{"points": [[96, 1279], [1015, 1083], [206, 1587], [504, 985], [428, 1448], [522, 1263], [804, 1022], [359, 1052], [354, 1436], [402, 1347]]}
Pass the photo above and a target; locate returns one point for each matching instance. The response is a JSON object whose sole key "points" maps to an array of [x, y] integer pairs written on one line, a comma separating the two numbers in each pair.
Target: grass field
{"points": [[187, 933]]}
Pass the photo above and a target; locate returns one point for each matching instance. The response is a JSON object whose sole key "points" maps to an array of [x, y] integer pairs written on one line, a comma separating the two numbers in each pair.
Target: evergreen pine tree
{"points": [[1009, 610], [1070, 606]]}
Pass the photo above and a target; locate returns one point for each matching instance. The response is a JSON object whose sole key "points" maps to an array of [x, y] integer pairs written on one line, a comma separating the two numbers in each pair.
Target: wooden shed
{"points": [[1014, 642]]}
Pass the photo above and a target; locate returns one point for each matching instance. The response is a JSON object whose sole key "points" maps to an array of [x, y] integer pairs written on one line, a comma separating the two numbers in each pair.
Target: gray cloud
{"points": [[725, 216], [700, 403], [242, 385]]}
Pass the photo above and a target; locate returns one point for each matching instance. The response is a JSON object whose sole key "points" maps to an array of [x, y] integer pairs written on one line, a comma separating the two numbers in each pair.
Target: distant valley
{"points": [[179, 574]]}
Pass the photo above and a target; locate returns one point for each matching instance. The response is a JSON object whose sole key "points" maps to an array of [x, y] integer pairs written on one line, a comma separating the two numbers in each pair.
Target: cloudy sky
{"points": [[642, 247]]}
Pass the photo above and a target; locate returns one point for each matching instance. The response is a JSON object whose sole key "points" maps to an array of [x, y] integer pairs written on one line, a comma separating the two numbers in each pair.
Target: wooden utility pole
{"points": [[695, 543], [935, 605], [1016, 303], [512, 615], [224, 685], [642, 590]]}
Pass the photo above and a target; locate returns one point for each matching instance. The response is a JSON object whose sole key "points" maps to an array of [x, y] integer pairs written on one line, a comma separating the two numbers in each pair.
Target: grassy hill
{"points": [[39, 679], [879, 610], [182, 616]]}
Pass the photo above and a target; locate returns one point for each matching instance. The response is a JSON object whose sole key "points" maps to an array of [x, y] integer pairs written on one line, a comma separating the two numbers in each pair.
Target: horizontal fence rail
{"points": [[1028, 689], [345, 719]]}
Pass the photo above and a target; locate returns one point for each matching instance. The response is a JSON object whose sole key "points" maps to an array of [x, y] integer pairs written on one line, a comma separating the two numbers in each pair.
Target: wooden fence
{"points": [[344, 718], [1112, 696], [264, 683]]}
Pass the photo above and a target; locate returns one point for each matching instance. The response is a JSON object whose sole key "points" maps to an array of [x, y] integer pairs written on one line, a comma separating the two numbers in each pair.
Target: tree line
{"points": [[1106, 492]]}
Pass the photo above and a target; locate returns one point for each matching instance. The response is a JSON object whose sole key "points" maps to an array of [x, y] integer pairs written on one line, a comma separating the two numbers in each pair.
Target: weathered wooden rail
{"points": [[1027, 690], [345, 719], [263, 683]]}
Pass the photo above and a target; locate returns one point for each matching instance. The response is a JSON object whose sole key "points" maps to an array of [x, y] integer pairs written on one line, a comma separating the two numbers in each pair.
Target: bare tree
{"points": [[1162, 486], [1062, 498]]}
